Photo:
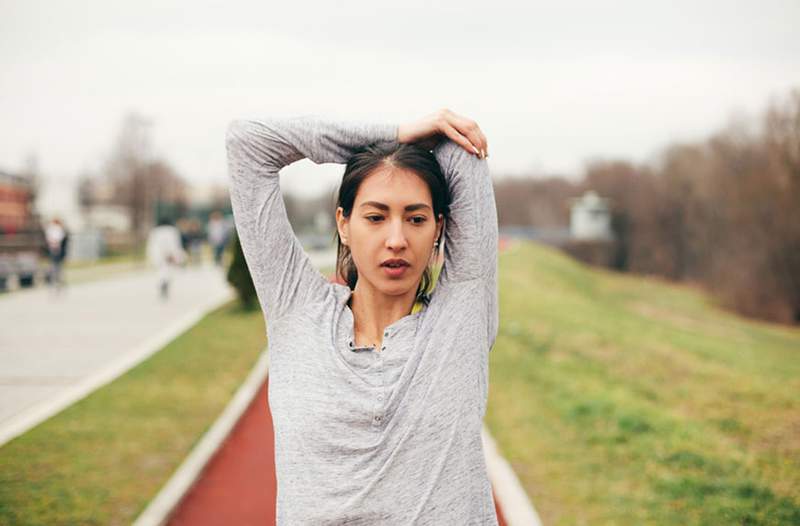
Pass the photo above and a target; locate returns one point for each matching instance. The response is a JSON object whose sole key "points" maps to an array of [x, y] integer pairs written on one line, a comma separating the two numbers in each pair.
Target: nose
{"points": [[396, 239]]}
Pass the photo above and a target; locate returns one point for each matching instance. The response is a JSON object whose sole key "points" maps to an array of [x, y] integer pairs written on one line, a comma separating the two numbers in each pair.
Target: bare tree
{"points": [[724, 212], [529, 201], [782, 144], [140, 182]]}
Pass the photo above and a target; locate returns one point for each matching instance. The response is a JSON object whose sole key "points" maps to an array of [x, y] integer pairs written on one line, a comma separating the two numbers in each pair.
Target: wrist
{"points": [[402, 133]]}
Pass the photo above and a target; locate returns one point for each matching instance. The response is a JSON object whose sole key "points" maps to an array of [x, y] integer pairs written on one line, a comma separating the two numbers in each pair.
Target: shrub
{"points": [[239, 277]]}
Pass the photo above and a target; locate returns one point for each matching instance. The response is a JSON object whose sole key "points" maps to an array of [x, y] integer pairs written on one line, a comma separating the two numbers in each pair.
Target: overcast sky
{"points": [[552, 84]]}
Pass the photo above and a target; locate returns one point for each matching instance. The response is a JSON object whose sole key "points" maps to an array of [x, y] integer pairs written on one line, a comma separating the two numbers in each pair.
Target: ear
{"points": [[342, 225], [439, 227]]}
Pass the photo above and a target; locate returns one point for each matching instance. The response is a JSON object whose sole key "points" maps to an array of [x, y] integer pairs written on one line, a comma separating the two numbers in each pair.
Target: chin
{"points": [[395, 289]]}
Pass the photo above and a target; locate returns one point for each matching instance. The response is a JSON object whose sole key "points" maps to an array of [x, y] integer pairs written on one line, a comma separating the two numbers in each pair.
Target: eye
{"points": [[418, 220], [374, 219]]}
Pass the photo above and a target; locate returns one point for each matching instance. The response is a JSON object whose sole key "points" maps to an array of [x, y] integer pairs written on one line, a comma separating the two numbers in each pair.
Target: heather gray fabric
{"points": [[364, 436]]}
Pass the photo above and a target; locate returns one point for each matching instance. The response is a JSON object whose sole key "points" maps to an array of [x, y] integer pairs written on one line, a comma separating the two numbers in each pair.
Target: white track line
{"points": [[512, 499], [161, 507]]}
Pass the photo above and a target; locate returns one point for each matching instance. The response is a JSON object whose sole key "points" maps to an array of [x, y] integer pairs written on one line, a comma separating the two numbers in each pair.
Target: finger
{"points": [[471, 131], [459, 139], [485, 144], [457, 128]]}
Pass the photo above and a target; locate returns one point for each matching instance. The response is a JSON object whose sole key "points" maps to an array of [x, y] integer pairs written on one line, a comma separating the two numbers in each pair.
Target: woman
{"points": [[377, 409]]}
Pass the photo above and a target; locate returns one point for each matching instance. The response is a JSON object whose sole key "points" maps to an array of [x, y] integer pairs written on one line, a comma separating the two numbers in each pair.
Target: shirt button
{"points": [[380, 397], [377, 419]]}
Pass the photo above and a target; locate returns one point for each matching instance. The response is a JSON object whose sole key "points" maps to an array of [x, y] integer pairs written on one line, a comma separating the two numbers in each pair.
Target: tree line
{"points": [[723, 212]]}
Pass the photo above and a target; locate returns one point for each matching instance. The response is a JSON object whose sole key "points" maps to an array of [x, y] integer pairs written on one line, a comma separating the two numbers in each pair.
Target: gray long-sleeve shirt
{"points": [[386, 436]]}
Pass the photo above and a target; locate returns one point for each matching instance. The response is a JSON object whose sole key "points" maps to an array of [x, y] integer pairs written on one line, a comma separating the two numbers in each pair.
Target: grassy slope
{"points": [[101, 460], [625, 400]]}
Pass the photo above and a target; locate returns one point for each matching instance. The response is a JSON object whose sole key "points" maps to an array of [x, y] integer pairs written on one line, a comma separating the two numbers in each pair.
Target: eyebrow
{"points": [[409, 208]]}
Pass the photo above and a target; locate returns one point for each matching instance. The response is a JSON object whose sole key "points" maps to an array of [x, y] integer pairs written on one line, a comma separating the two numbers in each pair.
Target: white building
{"points": [[59, 197], [590, 218]]}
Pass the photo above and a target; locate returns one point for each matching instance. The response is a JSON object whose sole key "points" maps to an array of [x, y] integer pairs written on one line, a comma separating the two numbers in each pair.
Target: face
{"points": [[391, 230]]}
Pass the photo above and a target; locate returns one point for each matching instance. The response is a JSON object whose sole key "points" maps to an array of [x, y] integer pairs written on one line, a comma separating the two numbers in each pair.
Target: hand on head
{"points": [[431, 129]]}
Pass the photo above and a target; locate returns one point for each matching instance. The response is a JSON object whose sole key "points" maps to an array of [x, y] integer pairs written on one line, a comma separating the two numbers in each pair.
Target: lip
{"points": [[395, 272], [398, 261]]}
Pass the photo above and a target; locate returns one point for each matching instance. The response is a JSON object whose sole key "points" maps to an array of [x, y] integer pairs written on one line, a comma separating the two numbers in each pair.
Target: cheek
{"points": [[363, 242], [425, 236]]}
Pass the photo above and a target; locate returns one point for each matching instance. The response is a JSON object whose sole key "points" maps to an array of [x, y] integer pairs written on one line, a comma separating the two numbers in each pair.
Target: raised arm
{"points": [[470, 248], [471, 230], [470, 238], [282, 273]]}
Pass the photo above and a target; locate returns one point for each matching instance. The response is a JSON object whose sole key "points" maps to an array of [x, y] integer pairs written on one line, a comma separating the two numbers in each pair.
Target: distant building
{"points": [[21, 237], [16, 203], [98, 212], [88, 228], [58, 197], [208, 195], [590, 218]]}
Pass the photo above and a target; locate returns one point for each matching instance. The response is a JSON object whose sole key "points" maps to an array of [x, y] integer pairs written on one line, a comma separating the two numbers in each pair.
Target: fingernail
{"points": [[476, 151]]}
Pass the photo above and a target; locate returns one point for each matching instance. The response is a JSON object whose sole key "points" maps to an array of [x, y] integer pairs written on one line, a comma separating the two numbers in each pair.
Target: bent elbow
{"points": [[235, 133]]}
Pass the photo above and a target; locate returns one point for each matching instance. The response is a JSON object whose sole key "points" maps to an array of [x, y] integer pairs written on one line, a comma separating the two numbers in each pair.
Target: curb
{"points": [[48, 408], [512, 499], [177, 487]]}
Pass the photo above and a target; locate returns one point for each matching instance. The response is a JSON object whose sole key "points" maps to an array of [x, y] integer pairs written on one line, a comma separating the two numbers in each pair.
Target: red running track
{"points": [[238, 486]]}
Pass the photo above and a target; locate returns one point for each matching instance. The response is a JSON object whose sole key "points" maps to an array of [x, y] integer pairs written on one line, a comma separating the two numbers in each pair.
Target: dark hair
{"points": [[362, 164]]}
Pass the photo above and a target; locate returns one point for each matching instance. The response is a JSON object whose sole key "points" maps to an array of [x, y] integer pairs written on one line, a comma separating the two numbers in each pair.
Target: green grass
{"points": [[101, 460], [627, 400]]}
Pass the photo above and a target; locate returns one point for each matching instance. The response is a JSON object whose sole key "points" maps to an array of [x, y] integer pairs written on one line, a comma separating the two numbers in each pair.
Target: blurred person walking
{"points": [[56, 242], [164, 250], [217, 236], [195, 241]]}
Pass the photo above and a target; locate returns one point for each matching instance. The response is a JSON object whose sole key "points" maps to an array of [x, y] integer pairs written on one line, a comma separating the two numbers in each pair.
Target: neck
{"points": [[374, 311]]}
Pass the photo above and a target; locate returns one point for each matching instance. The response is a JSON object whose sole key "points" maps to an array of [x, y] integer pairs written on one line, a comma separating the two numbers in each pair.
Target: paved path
{"points": [[49, 343]]}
